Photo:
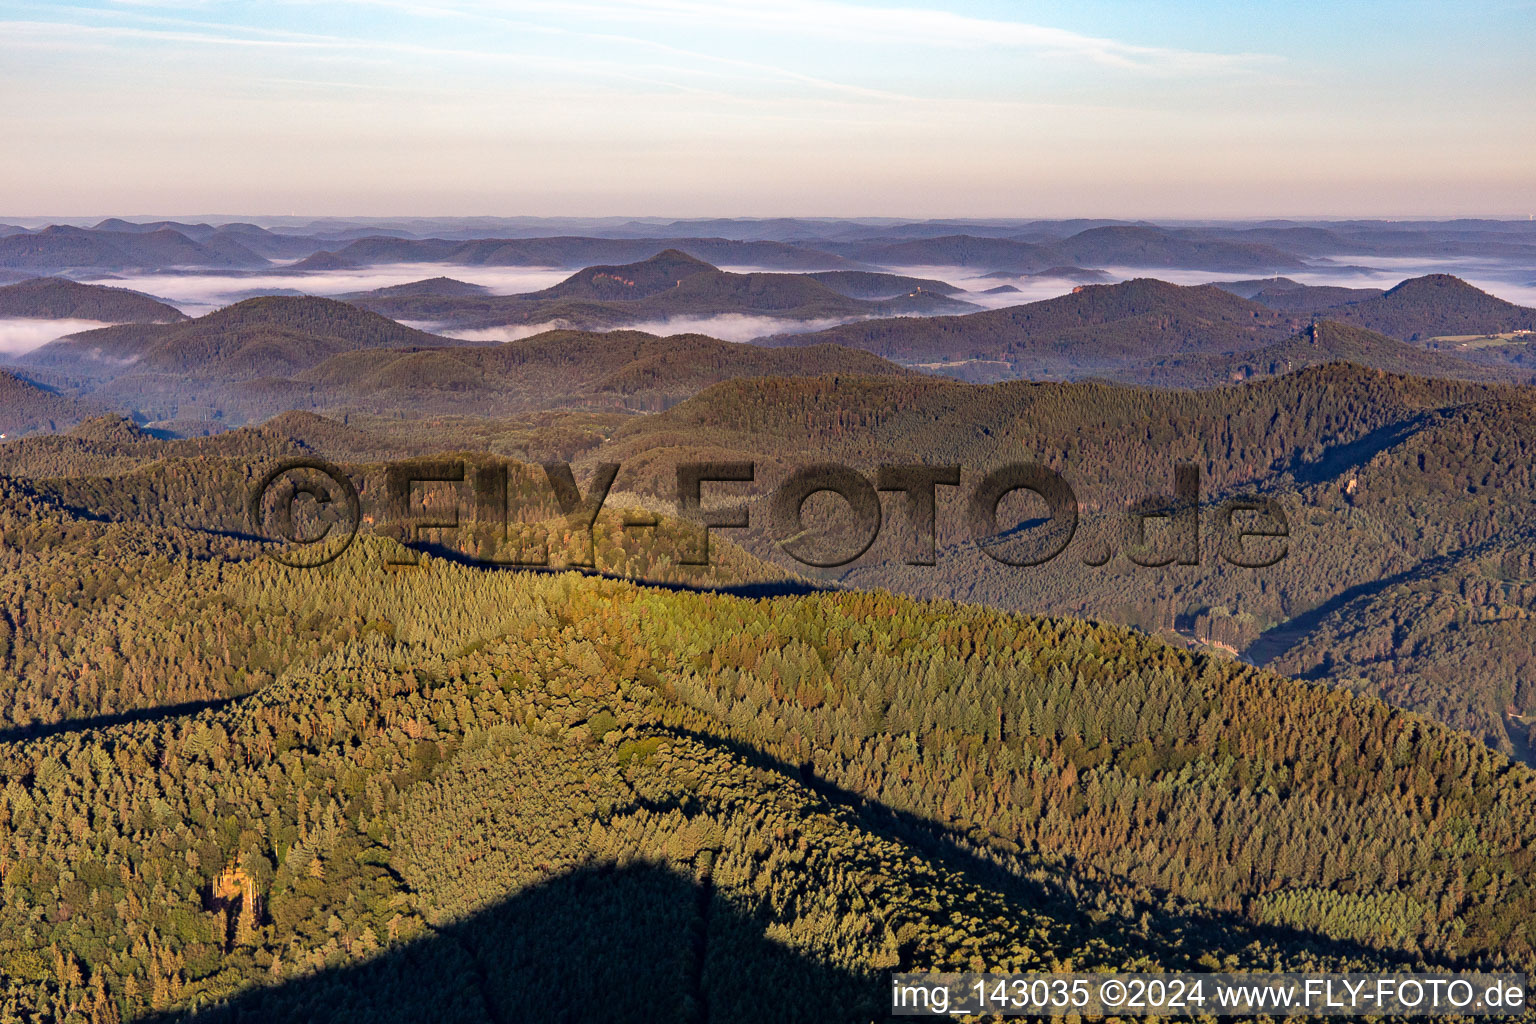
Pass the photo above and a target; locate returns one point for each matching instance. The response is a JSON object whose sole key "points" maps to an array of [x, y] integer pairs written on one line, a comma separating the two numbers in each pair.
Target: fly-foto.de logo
{"points": [[308, 512]]}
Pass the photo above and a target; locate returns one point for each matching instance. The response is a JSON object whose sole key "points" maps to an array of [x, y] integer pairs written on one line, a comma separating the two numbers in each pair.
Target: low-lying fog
{"points": [[725, 326], [19, 335], [198, 293]]}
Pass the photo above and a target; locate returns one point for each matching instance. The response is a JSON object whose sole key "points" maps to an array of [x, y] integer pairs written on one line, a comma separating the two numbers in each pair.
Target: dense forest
{"points": [[860, 781], [518, 746]]}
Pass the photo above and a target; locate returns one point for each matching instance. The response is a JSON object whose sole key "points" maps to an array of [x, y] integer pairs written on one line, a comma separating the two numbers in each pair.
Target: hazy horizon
{"points": [[806, 108]]}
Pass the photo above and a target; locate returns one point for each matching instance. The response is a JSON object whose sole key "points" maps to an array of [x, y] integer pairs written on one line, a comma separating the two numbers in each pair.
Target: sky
{"points": [[1098, 108]]}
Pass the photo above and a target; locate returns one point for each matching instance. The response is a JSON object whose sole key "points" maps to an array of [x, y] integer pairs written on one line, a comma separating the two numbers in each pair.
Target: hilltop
{"points": [[1283, 293], [662, 272], [1325, 341], [669, 285], [1121, 245], [576, 251], [1094, 329], [568, 369], [57, 298], [60, 247], [435, 287], [1436, 305], [257, 337]]}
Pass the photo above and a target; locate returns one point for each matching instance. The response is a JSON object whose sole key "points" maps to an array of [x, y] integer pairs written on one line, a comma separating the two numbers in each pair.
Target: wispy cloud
{"points": [[830, 20]]}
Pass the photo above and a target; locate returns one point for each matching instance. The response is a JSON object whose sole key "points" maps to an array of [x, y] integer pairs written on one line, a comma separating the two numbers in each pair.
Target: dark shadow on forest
{"points": [[1176, 939], [1341, 457], [1277, 640], [154, 714], [647, 943], [641, 943], [765, 588]]}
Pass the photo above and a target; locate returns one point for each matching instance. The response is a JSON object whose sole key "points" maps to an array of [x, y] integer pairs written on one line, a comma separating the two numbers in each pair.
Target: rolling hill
{"points": [[1283, 293], [1146, 246], [1120, 245], [1379, 475], [1093, 330], [863, 284], [669, 285], [57, 298], [582, 252], [626, 370], [257, 337], [436, 287], [60, 247], [1434, 306], [1325, 341]]}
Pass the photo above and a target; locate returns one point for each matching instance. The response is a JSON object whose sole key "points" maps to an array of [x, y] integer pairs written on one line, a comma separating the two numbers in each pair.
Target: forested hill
{"points": [[1325, 341], [1435, 306], [25, 407], [1112, 245], [1095, 328], [57, 298], [257, 337], [669, 285], [661, 272], [613, 369], [440, 756], [1385, 480], [60, 247]]}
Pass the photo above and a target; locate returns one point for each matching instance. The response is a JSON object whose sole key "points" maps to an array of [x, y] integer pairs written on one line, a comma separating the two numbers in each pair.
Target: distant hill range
{"points": [[584, 252], [1149, 331], [257, 337], [627, 370], [1094, 329], [431, 288], [1436, 305], [57, 298], [674, 284], [1283, 293], [265, 356], [1107, 246], [64, 248]]}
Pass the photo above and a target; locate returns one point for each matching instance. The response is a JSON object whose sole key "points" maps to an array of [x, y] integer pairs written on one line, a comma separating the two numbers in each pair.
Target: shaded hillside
{"points": [[1283, 293], [1105, 246], [26, 408], [582, 252], [668, 285], [1460, 483], [61, 248], [863, 284], [436, 287], [662, 272], [1325, 341], [1146, 246], [1435, 306], [257, 337], [1095, 329], [622, 369], [57, 298]]}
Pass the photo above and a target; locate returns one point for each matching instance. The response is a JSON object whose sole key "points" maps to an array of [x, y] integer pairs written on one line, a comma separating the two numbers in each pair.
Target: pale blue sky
{"points": [[815, 107]]}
